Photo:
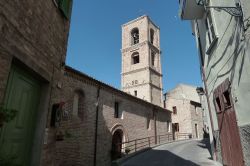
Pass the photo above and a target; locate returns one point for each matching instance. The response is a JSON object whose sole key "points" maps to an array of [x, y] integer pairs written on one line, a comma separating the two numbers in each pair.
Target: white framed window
{"points": [[211, 34], [135, 58], [118, 111]]}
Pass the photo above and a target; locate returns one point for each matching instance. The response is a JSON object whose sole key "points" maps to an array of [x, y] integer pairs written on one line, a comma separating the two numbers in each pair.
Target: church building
{"points": [[65, 117]]}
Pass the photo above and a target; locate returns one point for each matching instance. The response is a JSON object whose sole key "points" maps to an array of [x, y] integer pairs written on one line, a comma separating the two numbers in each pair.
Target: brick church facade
{"points": [[65, 117]]}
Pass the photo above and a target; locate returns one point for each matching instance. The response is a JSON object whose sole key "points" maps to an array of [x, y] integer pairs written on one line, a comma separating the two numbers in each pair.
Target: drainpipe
{"points": [[208, 103], [154, 112], [96, 123]]}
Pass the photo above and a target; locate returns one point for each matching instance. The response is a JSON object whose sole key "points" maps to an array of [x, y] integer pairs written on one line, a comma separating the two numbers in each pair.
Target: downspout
{"points": [[96, 123]]}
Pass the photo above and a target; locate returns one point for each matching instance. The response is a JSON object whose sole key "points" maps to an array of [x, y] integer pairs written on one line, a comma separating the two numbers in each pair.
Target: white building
{"points": [[221, 30]]}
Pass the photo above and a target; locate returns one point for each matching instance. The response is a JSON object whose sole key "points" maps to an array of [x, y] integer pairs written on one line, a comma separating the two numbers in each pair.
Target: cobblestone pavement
{"points": [[182, 153]]}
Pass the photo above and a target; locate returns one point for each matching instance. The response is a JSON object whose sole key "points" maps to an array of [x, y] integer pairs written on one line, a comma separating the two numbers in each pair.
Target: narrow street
{"points": [[183, 153]]}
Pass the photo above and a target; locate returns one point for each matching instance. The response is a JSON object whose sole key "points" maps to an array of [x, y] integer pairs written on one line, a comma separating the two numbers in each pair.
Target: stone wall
{"points": [[245, 142], [196, 116], [80, 146]]}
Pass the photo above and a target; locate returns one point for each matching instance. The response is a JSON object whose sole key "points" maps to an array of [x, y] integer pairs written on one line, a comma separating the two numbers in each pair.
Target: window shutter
{"points": [[65, 7]]}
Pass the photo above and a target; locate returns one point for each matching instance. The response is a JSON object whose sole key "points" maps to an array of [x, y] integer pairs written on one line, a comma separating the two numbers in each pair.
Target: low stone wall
{"points": [[245, 142]]}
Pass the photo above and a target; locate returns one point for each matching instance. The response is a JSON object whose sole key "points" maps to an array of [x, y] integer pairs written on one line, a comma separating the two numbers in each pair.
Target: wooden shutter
{"points": [[231, 148]]}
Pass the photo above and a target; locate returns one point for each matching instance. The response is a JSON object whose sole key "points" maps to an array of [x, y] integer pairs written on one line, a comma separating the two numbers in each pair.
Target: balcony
{"points": [[189, 10]]}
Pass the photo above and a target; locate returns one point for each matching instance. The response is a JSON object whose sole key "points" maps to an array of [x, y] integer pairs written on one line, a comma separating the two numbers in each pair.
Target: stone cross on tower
{"points": [[141, 60]]}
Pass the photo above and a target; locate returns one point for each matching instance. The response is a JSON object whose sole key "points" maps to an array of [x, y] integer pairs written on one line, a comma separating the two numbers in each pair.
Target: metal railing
{"points": [[141, 143], [183, 136]]}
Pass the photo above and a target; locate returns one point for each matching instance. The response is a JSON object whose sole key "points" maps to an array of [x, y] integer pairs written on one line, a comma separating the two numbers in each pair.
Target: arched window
{"points": [[152, 36], [78, 104], [135, 36], [135, 58]]}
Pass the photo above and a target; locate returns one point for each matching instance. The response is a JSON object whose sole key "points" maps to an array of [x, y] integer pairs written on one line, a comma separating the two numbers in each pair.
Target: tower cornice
{"points": [[137, 46], [142, 69]]}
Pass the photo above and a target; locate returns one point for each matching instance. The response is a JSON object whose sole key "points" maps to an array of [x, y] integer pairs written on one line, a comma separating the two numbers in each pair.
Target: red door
{"points": [[229, 133]]}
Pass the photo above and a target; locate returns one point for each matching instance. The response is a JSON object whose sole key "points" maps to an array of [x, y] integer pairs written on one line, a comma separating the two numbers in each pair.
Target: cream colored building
{"points": [[141, 60], [184, 102]]}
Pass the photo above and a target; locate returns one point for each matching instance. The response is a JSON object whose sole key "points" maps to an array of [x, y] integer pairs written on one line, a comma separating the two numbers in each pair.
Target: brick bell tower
{"points": [[141, 60]]}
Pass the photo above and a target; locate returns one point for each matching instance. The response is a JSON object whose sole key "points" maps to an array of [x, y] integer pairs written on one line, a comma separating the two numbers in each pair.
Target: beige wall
{"points": [[144, 73], [185, 99]]}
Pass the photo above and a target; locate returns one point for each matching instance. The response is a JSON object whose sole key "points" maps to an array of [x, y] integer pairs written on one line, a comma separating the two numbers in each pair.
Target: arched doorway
{"points": [[116, 144]]}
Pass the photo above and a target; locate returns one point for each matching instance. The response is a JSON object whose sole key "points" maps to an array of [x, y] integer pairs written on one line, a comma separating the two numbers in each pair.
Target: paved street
{"points": [[186, 153]]}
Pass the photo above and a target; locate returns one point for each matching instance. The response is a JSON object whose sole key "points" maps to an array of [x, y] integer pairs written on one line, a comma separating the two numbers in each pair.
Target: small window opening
{"points": [[148, 122], [135, 92], [135, 36], [210, 28], [226, 98], [135, 58], [196, 110], [152, 36], [174, 110]]}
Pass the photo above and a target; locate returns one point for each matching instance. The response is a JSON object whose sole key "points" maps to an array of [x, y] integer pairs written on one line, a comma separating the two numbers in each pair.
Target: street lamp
{"points": [[200, 91]]}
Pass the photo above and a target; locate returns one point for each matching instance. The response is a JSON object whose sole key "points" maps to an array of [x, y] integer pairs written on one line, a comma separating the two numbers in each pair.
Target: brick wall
{"points": [[33, 36], [79, 148]]}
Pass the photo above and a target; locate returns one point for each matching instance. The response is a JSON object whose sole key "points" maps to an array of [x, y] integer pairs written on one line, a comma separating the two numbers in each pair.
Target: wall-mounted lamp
{"points": [[234, 11]]}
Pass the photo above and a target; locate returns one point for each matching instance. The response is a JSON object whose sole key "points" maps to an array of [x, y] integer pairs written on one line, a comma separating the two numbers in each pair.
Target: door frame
{"points": [[42, 109]]}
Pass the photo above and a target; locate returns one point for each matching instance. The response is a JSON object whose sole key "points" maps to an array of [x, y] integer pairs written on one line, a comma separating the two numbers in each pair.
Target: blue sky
{"points": [[95, 39]]}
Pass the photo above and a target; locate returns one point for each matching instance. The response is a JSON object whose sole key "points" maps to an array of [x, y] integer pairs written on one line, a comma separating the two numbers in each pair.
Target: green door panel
{"points": [[23, 94]]}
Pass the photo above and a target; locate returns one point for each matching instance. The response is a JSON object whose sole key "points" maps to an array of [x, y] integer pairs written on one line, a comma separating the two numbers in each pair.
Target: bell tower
{"points": [[141, 60]]}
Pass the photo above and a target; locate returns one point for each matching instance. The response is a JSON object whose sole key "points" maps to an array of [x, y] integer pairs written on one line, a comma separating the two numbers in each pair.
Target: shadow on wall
{"points": [[235, 44]]}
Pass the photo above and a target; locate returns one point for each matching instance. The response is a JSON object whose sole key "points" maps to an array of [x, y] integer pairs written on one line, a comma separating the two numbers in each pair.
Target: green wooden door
{"points": [[23, 94]]}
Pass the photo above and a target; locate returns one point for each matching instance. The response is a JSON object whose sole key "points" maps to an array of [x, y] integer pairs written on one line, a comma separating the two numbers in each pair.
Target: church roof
{"points": [[96, 82]]}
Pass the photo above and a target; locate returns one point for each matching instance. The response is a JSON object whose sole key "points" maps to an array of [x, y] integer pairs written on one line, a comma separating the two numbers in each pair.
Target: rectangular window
{"points": [[136, 59], [196, 110], [174, 110], [118, 111], [176, 127], [148, 123], [210, 31]]}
